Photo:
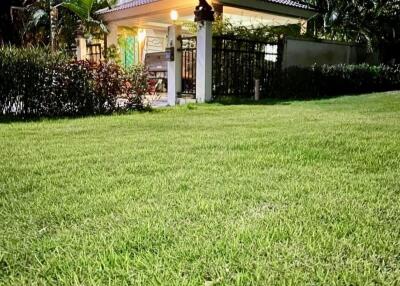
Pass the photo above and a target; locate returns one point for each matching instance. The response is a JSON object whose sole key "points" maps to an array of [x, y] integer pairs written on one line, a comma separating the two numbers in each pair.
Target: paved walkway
{"points": [[159, 102], [155, 101]]}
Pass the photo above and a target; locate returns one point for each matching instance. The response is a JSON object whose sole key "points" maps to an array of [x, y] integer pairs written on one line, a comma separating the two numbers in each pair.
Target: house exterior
{"points": [[178, 35], [139, 27]]}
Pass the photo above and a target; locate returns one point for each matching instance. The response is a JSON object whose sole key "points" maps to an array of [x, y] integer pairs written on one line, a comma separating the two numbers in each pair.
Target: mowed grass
{"points": [[298, 193]]}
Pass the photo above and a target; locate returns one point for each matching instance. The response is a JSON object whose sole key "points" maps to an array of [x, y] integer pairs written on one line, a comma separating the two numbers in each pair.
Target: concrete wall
{"points": [[155, 41], [304, 53]]}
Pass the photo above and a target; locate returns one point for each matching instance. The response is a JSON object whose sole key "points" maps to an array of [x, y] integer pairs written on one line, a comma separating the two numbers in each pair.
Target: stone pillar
{"points": [[174, 65], [81, 49], [204, 62], [204, 16], [112, 36]]}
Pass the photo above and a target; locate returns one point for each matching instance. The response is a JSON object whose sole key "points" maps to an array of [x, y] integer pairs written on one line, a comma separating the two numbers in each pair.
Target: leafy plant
{"points": [[85, 10], [36, 83], [55, 22], [112, 54], [260, 32], [327, 81], [137, 86], [374, 23]]}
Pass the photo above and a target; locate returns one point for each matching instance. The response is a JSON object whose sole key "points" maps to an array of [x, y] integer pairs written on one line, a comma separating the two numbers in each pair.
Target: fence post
{"points": [[174, 64], [256, 89], [204, 16], [81, 49]]}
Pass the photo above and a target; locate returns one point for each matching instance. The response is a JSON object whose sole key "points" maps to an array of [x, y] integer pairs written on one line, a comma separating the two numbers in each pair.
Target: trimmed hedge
{"points": [[35, 82], [328, 81]]}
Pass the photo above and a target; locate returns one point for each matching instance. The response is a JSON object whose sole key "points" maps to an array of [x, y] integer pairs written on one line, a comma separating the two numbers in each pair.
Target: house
{"points": [[139, 27], [146, 29]]}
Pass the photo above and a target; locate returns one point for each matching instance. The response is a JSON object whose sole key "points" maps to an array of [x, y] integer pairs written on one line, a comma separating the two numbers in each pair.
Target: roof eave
{"points": [[275, 8], [125, 6], [258, 5]]}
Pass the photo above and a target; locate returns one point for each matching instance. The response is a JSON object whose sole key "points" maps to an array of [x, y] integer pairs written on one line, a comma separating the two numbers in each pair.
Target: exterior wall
{"points": [[155, 41], [304, 53], [112, 36], [150, 40]]}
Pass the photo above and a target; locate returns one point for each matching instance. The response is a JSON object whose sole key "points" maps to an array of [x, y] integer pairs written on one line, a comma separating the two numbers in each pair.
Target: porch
{"points": [[142, 30], [140, 27]]}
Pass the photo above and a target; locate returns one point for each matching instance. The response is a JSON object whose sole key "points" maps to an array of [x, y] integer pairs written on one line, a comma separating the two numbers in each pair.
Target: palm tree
{"points": [[45, 18], [85, 10], [39, 17]]}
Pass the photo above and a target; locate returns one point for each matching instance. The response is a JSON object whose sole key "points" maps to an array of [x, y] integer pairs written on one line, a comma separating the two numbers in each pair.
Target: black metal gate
{"points": [[237, 63], [188, 50]]}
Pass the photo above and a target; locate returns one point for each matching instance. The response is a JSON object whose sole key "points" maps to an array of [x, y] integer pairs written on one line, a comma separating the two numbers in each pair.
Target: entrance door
{"points": [[129, 46]]}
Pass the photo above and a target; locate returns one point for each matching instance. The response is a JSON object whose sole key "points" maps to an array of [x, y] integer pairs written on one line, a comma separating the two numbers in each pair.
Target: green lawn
{"points": [[298, 193]]}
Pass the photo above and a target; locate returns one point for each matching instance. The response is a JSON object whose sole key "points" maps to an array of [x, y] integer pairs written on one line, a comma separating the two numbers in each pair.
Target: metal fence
{"points": [[188, 50], [237, 63]]}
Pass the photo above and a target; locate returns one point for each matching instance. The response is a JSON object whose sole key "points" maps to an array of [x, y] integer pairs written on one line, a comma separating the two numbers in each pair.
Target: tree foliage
{"points": [[37, 21], [85, 10], [8, 31], [375, 23]]}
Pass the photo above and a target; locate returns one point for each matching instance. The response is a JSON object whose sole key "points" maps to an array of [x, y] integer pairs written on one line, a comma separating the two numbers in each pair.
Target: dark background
{"points": [[7, 31]]}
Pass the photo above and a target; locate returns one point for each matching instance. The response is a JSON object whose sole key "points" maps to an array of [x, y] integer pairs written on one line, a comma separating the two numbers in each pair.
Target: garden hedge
{"points": [[35, 82], [328, 81]]}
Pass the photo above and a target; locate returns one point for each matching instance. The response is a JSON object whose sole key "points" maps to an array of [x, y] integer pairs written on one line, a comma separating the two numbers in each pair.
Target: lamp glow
{"points": [[142, 35], [174, 15]]}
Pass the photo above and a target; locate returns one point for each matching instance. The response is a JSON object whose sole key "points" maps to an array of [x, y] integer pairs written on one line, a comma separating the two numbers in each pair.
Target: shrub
{"points": [[25, 78], [327, 81], [138, 85], [34, 82]]}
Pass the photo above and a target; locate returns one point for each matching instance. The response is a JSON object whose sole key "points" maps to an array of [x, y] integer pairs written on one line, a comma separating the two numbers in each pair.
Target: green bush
{"points": [[35, 82], [327, 81], [138, 85], [25, 79]]}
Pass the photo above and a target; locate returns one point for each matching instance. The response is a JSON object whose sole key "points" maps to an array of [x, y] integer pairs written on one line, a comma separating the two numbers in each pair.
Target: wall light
{"points": [[142, 35], [174, 15]]}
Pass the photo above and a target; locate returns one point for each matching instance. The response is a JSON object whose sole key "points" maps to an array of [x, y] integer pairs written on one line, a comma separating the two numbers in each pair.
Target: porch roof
{"points": [[294, 8], [127, 5], [292, 3]]}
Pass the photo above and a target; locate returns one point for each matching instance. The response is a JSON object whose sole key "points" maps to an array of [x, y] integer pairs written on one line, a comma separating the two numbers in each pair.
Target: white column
{"points": [[81, 49], [303, 27], [175, 66], [204, 62]]}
